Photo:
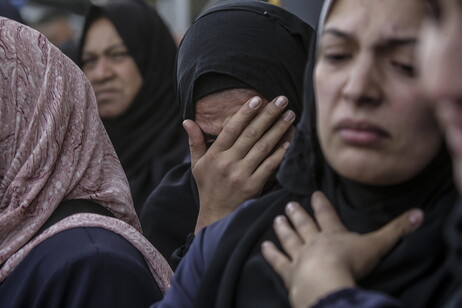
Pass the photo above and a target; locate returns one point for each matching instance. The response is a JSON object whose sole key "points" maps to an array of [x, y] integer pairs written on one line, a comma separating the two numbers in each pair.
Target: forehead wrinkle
{"points": [[356, 18], [390, 39]]}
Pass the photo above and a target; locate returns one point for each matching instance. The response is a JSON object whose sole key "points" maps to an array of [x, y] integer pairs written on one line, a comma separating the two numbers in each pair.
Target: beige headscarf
{"points": [[53, 147]]}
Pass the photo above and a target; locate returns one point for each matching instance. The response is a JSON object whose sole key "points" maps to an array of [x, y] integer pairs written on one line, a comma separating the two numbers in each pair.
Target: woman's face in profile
{"points": [[374, 124], [110, 68], [441, 66]]}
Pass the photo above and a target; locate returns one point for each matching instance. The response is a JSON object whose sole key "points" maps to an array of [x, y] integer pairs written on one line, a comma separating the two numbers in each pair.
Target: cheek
{"points": [[133, 81], [328, 87], [326, 92]]}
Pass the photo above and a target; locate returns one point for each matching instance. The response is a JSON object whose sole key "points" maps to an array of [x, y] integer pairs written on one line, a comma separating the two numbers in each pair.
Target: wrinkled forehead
{"points": [[382, 19]]}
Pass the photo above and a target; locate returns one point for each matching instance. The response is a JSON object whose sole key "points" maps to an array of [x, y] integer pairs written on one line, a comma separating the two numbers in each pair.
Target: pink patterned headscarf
{"points": [[53, 147]]}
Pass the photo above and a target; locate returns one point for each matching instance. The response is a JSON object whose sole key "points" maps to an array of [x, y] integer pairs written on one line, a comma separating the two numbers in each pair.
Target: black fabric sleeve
{"points": [[171, 211], [180, 252]]}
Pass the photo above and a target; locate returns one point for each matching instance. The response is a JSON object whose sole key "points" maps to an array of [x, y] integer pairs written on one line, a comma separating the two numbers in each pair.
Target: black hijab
{"points": [[242, 53], [148, 137], [415, 271]]}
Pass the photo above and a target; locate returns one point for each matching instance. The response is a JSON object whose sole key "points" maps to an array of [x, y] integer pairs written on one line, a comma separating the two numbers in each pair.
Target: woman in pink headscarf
{"points": [[69, 235]]}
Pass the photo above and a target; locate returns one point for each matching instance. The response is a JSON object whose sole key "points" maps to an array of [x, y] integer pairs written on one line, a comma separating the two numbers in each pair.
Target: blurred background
{"points": [[61, 20]]}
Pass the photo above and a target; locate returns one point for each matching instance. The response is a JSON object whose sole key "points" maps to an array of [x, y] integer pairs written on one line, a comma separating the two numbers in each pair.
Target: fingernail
{"points": [[316, 204], [415, 217], [286, 145], [288, 116], [254, 102], [290, 207], [281, 101], [278, 220]]}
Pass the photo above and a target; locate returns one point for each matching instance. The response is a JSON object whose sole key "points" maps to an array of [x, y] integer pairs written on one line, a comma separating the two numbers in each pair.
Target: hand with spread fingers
{"points": [[322, 255], [243, 158]]}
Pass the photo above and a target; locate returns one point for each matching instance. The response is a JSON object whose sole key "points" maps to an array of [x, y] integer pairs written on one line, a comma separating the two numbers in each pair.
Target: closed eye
{"points": [[337, 57], [209, 139], [405, 69]]}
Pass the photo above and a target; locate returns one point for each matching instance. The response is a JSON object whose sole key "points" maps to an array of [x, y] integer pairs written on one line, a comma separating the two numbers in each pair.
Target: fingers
{"points": [[289, 239], [270, 139], [278, 261], [389, 234], [237, 124], [251, 137], [301, 220], [269, 166], [197, 144], [325, 214]]}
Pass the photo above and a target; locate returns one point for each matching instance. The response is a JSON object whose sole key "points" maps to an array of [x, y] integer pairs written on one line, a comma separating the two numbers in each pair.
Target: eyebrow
{"points": [[399, 42], [109, 49], [391, 42], [339, 33]]}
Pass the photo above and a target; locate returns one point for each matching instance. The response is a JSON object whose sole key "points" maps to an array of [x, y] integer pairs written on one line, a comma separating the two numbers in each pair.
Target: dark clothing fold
{"points": [[148, 137], [171, 211]]}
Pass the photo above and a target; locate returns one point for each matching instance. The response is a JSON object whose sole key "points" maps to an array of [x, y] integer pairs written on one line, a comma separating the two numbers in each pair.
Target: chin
{"points": [[364, 177], [366, 172]]}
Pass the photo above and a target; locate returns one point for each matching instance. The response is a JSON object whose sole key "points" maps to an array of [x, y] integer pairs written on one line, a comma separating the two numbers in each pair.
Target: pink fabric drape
{"points": [[53, 147]]}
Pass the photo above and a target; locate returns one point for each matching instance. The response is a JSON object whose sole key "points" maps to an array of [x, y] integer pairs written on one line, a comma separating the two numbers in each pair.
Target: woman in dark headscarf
{"points": [[440, 75], [237, 45], [371, 144], [131, 70], [69, 234]]}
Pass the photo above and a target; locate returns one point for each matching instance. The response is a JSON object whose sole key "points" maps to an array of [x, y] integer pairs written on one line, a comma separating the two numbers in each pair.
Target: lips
{"points": [[361, 133]]}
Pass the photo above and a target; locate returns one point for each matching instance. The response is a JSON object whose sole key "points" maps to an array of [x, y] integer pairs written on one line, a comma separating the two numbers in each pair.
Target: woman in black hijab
{"points": [[147, 134], [383, 121], [235, 45], [440, 64]]}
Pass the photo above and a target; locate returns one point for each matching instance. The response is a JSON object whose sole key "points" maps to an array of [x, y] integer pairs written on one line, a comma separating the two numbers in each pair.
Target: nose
{"points": [[362, 86], [102, 71]]}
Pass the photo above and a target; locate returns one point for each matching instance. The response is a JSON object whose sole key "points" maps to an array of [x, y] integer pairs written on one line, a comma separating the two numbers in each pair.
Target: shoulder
{"points": [[81, 265]]}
